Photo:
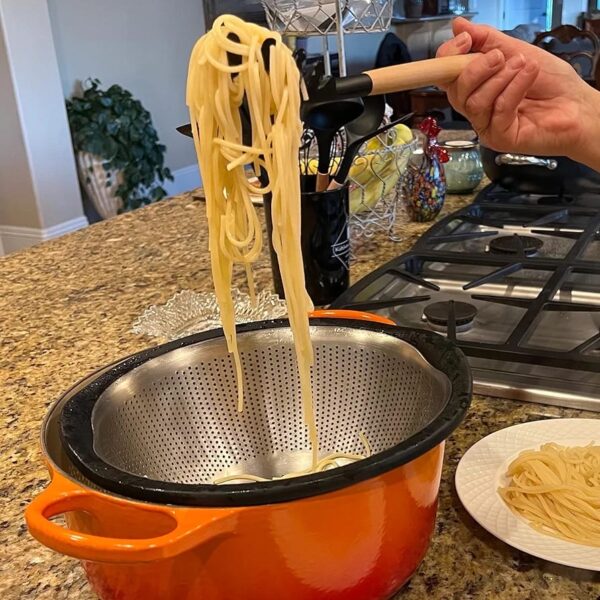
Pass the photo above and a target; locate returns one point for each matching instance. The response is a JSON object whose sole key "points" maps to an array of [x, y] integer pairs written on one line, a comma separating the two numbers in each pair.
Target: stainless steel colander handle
{"points": [[189, 527], [357, 315]]}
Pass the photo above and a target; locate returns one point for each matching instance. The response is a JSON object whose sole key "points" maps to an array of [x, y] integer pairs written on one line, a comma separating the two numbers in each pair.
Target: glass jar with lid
{"points": [[463, 169]]}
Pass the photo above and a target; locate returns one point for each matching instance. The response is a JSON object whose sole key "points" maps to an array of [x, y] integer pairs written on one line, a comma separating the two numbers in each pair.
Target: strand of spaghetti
{"points": [[215, 93], [365, 443], [216, 89], [234, 146], [331, 460]]}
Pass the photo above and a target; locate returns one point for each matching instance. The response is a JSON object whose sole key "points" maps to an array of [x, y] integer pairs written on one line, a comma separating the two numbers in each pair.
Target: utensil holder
{"points": [[325, 242]]}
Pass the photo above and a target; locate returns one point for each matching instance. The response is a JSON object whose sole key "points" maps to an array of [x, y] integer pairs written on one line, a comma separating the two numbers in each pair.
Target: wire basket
{"points": [[320, 17], [375, 179], [375, 187]]}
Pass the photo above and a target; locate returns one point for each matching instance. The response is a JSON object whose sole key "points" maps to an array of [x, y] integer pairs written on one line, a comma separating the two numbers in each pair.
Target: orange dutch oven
{"points": [[357, 532]]}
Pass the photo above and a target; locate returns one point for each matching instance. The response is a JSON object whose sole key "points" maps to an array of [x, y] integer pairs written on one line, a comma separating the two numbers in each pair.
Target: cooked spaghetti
{"points": [[227, 70], [557, 490], [337, 459]]}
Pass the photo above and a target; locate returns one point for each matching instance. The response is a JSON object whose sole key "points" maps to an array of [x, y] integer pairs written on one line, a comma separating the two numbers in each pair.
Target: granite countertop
{"points": [[66, 309]]}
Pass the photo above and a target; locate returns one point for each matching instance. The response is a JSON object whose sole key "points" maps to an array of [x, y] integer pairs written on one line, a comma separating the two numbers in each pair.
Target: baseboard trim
{"points": [[13, 238], [184, 180]]}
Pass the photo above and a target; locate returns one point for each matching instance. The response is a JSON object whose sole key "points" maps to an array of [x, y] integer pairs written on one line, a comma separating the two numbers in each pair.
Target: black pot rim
{"points": [[77, 435]]}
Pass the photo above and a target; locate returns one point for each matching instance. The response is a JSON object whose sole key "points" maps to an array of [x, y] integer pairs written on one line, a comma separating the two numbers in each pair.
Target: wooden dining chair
{"points": [[578, 47], [592, 25]]}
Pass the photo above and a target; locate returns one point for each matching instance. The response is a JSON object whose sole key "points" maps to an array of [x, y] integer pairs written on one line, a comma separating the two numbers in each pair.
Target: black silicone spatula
{"points": [[396, 78], [353, 148], [325, 119], [369, 120]]}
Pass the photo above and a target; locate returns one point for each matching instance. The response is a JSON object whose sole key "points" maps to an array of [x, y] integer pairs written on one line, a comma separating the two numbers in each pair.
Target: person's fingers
{"points": [[507, 104], [484, 38], [478, 71], [460, 25], [479, 100], [461, 44]]}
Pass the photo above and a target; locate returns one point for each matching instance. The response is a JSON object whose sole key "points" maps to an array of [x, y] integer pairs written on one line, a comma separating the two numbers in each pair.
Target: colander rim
{"points": [[77, 436]]}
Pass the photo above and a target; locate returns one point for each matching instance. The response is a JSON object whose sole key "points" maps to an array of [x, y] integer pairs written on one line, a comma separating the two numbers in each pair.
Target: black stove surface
{"points": [[514, 282]]}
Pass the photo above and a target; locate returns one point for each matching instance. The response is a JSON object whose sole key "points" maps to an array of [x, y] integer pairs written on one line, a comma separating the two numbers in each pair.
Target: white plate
{"points": [[481, 472]]}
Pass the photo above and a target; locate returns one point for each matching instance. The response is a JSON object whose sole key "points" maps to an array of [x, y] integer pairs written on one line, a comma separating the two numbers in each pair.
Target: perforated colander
{"points": [[161, 425]]}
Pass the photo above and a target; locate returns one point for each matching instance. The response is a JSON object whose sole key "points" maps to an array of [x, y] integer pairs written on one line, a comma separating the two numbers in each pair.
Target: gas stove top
{"points": [[515, 281]]}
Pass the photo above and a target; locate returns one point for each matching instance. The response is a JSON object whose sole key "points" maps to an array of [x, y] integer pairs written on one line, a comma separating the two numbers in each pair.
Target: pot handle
{"points": [[522, 160], [358, 315], [190, 527]]}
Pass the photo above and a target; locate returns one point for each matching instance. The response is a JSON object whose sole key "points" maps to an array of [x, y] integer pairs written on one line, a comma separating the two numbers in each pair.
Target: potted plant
{"points": [[119, 157]]}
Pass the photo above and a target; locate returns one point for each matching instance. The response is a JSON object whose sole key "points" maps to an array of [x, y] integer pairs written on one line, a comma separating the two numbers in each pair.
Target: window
{"points": [[527, 12]]}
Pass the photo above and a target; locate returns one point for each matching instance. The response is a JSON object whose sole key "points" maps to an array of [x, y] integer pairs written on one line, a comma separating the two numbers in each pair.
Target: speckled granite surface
{"points": [[66, 308]]}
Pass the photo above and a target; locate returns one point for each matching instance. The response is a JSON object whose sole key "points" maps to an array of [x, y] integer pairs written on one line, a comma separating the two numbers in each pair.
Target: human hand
{"points": [[520, 98]]}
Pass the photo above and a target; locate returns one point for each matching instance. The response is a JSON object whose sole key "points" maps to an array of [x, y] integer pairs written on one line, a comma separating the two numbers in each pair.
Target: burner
{"points": [[513, 244], [438, 313]]}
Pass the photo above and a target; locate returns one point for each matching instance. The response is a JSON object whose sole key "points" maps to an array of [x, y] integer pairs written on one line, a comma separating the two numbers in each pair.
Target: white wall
{"points": [[143, 45], [17, 199], [39, 192]]}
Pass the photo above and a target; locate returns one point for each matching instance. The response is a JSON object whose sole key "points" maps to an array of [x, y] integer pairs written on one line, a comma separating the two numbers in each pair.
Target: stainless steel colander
{"points": [[163, 424]]}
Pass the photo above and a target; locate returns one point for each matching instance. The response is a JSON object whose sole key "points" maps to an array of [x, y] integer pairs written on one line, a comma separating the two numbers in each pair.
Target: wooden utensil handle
{"points": [[322, 182], [409, 76]]}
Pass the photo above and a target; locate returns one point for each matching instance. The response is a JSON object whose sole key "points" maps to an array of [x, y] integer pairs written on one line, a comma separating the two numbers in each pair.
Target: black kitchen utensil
{"points": [[353, 148], [307, 152], [325, 119], [300, 58], [185, 130], [369, 120], [306, 144], [385, 80], [235, 59], [338, 149], [246, 125]]}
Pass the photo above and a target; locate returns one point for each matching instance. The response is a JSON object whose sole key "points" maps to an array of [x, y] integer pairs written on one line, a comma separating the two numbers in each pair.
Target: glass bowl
{"points": [[190, 312]]}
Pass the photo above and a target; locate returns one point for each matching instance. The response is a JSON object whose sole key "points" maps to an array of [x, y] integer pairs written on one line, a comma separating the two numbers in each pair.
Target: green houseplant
{"points": [[119, 156]]}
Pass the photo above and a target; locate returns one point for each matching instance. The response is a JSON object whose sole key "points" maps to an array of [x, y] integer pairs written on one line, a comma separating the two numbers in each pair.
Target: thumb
{"points": [[483, 37]]}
